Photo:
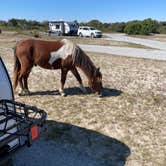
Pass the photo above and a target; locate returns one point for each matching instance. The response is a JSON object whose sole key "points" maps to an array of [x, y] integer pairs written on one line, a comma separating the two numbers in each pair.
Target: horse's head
{"points": [[96, 82]]}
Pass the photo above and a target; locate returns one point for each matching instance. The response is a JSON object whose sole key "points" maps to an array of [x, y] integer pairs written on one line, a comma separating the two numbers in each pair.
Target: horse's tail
{"points": [[17, 67]]}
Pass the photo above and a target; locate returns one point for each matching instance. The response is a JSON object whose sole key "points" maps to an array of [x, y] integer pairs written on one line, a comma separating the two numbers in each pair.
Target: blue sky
{"points": [[83, 10]]}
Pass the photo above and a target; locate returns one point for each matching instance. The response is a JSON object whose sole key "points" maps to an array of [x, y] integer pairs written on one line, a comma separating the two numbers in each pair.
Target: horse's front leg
{"points": [[77, 75], [64, 72]]}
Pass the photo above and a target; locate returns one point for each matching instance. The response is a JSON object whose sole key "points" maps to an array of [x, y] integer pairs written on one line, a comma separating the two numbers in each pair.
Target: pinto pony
{"points": [[62, 54]]}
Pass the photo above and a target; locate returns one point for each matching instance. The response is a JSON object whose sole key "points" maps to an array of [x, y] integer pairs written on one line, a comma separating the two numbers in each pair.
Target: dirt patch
{"points": [[132, 111]]}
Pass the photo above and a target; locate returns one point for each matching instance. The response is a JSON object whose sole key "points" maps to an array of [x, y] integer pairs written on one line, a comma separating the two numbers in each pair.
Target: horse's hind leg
{"points": [[77, 75], [24, 84], [20, 81], [23, 76], [25, 79]]}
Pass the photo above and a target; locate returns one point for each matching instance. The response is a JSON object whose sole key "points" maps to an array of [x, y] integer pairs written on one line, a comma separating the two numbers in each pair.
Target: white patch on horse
{"points": [[67, 49]]}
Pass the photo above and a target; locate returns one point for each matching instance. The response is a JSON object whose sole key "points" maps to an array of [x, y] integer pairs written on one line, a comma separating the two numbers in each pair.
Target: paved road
{"points": [[146, 42], [157, 52], [127, 51]]}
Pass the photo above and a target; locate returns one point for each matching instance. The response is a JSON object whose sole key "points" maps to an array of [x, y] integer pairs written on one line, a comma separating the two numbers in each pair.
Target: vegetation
{"points": [[162, 27], [97, 24], [23, 24], [137, 27], [144, 27], [133, 28]]}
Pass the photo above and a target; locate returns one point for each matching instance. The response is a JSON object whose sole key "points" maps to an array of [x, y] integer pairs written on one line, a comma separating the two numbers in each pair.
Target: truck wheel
{"points": [[80, 35], [92, 35]]}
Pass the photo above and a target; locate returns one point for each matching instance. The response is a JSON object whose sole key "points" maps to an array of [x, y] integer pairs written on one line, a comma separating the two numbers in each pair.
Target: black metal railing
{"points": [[22, 118]]}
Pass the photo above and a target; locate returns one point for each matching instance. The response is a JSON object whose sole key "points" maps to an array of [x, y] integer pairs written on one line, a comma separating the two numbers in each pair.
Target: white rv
{"points": [[63, 28]]}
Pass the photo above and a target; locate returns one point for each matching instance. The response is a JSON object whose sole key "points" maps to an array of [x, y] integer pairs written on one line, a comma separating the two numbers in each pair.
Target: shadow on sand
{"points": [[66, 144], [96, 145], [107, 92]]}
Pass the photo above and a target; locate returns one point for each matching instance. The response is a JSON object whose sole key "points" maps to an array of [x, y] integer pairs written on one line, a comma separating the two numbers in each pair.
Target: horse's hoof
{"points": [[21, 94], [62, 93], [24, 93], [100, 95]]}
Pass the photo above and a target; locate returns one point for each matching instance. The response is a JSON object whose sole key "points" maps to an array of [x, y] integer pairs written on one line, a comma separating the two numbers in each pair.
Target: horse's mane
{"points": [[84, 62]]}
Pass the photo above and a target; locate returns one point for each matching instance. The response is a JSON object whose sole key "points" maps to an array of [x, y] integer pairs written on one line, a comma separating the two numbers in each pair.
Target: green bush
{"points": [[35, 33], [144, 27], [149, 26], [117, 27], [162, 30], [133, 28]]}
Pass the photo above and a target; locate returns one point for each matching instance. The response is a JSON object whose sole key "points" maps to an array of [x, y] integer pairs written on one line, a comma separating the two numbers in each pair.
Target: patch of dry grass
{"points": [[97, 41], [158, 37], [132, 112]]}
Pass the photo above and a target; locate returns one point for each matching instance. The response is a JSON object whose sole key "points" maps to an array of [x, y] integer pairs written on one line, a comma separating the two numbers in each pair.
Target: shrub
{"points": [[149, 26], [0, 31], [35, 33], [144, 27], [118, 27], [162, 30], [133, 28]]}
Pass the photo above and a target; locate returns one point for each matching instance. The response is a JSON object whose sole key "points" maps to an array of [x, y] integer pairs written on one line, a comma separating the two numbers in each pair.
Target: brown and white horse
{"points": [[63, 54]]}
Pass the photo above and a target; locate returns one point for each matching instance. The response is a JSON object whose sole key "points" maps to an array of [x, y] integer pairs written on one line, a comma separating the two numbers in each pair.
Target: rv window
{"points": [[57, 26]]}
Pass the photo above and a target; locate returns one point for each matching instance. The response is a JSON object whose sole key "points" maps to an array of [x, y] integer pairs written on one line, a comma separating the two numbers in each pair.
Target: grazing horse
{"points": [[62, 54]]}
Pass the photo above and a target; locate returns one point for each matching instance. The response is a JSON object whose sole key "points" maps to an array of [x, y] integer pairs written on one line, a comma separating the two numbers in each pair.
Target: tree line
{"points": [[23, 24], [135, 27]]}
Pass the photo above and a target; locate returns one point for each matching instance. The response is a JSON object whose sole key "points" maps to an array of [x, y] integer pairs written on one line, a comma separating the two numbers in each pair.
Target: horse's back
{"points": [[47, 54]]}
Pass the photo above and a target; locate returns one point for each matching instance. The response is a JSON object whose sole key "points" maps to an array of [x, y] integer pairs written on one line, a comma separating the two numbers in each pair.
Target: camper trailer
{"points": [[63, 28]]}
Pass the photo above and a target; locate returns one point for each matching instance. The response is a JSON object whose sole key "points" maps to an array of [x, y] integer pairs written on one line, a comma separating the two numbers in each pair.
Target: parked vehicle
{"points": [[63, 28], [88, 32], [20, 124]]}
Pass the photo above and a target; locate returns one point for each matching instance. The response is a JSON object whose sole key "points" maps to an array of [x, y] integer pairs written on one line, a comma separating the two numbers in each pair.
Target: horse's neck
{"points": [[85, 64]]}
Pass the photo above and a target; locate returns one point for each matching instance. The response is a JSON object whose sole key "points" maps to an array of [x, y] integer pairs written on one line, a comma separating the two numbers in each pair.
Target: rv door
{"points": [[67, 28]]}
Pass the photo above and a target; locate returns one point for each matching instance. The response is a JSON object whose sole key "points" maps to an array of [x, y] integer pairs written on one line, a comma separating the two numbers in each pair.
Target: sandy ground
{"points": [[125, 127]]}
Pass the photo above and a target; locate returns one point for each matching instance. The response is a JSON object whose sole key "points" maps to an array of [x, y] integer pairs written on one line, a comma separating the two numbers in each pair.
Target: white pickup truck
{"points": [[88, 32]]}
